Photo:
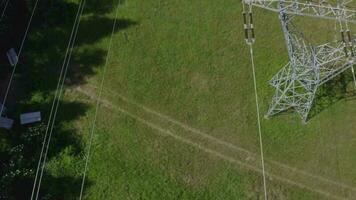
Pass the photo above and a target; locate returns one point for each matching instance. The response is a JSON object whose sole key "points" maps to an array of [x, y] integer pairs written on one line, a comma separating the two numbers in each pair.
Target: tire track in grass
{"points": [[243, 160], [272, 164]]}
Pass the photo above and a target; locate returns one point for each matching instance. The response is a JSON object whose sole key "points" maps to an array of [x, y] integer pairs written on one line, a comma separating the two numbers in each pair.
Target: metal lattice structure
{"points": [[309, 66]]}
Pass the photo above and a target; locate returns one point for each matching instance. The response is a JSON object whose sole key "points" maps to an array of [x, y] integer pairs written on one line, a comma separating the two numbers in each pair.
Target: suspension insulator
{"points": [[253, 34], [248, 27], [251, 18], [350, 43], [252, 28], [344, 42], [343, 36], [349, 35], [352, 51], [245, 18], [245, 26], [345, 51]]}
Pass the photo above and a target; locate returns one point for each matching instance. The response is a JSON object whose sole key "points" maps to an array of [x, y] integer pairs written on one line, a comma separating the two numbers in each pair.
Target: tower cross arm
{"points": [[307, 8]]}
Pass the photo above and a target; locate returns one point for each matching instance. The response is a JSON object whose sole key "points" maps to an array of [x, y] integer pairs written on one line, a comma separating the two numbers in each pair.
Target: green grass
{"points": [[188, 60]]}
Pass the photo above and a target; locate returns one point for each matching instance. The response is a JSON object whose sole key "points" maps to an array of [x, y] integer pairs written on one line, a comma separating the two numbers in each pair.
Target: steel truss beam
{"points": [[309, 65], [320, 9]]}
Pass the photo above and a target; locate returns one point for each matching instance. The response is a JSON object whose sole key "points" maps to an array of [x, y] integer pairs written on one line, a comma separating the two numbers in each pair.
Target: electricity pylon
{"points": [[309, 65]]}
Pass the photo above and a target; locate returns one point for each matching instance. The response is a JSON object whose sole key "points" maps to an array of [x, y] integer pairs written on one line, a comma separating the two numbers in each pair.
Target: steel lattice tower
{"points": [[309, 65]]}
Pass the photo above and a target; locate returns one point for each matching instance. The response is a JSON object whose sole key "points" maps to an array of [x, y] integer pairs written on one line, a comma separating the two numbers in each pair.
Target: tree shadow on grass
{"points": [[48, 48], [103, 24], [102, 6], [12, 26], [64, 156], [57, 190], [337, 89], [37, 76]]}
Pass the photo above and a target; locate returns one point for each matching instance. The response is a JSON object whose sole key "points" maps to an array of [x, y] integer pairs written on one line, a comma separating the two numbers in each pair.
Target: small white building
{"points": [[12, 57], [29, 118], [6, 123], [3, 109]]}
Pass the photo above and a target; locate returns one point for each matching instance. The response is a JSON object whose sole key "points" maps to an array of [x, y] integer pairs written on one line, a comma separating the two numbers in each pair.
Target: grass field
{"points": [[178, 119]]}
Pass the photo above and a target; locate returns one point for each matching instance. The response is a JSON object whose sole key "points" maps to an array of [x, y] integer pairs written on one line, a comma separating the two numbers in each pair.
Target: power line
{"points": [[250, 39], [55, 103], [3, 11], [98, 102], [58, 100], [258, 121], [20, 51]]}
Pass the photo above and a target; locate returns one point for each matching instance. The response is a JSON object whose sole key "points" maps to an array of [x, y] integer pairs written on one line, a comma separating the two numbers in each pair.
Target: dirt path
{"points": [[230, 152]]}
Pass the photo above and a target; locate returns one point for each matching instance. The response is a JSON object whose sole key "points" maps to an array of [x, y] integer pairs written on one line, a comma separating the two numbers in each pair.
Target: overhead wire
{"points": [[98, 102], [18, 56], [250, 39], [4, 9], [258, 122], [55, 103]]}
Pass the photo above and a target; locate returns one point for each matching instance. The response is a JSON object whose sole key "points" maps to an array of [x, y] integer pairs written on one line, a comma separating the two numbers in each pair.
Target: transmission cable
{"points": [[18, 56], [98, 102], [4, 9], [55, 103], [250, 39]]}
